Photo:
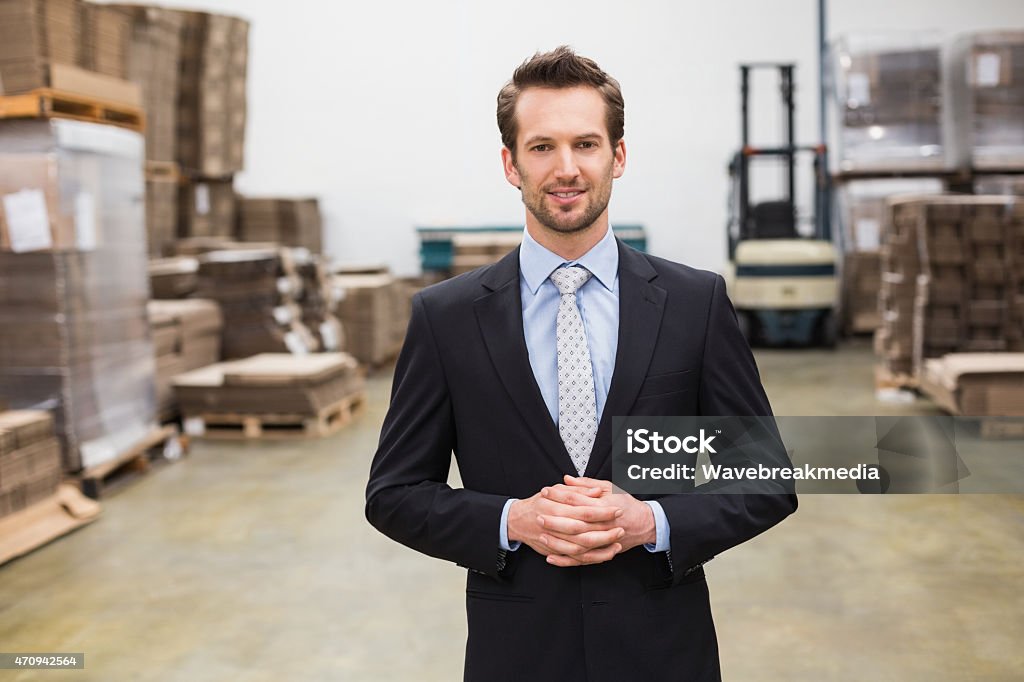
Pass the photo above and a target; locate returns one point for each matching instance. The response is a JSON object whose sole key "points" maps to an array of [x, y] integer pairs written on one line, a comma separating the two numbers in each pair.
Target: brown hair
{"points": [[560, 68]]}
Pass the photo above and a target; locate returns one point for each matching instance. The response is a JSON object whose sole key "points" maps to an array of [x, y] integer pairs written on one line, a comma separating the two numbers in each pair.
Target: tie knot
{"points": [[569, 280]]}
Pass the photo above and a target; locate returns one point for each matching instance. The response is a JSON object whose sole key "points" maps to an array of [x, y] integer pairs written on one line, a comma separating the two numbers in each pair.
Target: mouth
{"points": [[566, 197]]}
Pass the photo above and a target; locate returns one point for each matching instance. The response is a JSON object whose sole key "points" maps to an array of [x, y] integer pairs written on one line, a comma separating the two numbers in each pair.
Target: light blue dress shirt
{"points": [[598, 301]]}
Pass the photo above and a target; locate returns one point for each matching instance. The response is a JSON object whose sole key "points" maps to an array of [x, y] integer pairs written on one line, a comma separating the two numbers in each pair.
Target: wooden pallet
{"points": [[235, 426], [47, 103], [44, 521], [103, 479]]}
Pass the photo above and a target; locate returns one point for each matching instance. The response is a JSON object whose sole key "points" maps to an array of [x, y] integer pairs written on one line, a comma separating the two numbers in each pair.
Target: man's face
{"points": [[564, 161]]}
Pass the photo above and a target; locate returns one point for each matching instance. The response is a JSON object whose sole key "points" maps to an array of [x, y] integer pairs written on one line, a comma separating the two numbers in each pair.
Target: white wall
{"points": [[386, 110]]}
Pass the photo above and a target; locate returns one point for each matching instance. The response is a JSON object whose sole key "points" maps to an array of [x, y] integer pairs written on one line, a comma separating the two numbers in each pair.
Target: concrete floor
{"points": [[255, 563]]}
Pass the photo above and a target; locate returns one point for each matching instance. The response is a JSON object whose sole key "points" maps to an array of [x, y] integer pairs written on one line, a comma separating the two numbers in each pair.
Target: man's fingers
{"points": [[594, 556], [569, 526], [561, 546], [589, 540], [569, 495], [589, 483]]}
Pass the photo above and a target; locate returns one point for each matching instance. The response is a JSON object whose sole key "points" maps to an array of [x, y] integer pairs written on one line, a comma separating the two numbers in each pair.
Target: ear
{"points": [[619, 162], [511, 173]]}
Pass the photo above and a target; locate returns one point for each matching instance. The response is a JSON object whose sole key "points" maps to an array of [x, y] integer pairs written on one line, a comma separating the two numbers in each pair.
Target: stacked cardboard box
{"points": [[977, 384], [211, 96], [73, 331], [152, 62], [106, 34], [314, 393], [476, 249], [900, 265], [986, 82], [374, 310], [317, 299], [1015, 243], [41, 47], [175, 277], [161, 214], [30, 462], [289, 222], [952, 261], [890, 99], [34, 35], [206, 208], [257, 292], [186, 336], [862, 281]]}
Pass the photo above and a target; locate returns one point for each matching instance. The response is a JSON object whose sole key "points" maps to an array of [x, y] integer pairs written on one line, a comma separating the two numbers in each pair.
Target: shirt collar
{"points": [[537, 263]]}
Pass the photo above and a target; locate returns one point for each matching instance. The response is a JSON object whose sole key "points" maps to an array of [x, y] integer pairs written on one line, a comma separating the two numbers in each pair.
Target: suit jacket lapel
{"points": [[499, 313], [641, 306]]}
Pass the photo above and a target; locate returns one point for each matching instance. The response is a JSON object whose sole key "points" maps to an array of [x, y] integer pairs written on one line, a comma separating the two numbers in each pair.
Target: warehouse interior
{"points": [[215, 218]]}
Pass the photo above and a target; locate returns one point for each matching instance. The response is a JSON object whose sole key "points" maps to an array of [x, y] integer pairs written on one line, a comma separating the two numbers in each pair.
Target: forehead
{"points": [[560, 112]]}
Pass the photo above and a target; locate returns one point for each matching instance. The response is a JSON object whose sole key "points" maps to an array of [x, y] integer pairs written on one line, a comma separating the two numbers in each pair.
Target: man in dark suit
{"points": [[517, 368]]}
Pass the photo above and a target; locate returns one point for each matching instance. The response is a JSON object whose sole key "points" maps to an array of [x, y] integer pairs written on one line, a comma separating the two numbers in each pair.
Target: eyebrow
{"points": [[544, 138]]}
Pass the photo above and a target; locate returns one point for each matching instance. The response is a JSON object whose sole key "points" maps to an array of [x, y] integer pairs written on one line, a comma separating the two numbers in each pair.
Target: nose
{"points": [[566, 168]]}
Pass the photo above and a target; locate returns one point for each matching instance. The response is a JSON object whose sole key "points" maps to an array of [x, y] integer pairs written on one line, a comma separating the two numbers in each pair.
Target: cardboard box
{"points": [[977, 384]]}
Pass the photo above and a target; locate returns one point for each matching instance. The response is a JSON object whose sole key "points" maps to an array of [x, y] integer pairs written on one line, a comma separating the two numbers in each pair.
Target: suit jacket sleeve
{"points": [[408, 498], [703, 525]]}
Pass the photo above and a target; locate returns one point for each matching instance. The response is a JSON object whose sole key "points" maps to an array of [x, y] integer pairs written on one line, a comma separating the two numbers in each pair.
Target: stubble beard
{"points": [[535, 201]]}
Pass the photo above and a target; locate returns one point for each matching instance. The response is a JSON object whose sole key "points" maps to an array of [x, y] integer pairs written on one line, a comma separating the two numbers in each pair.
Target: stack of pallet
{"points": [[152, 63], [862, 281], [35, 35], [271, 395], [891, 108], [317, 300], [374, 309], [30, 462], [476, 249], [73, 329], [206, 207], [211, 99], [211, 120], [987, 86], [257, 290], [289, 222], [106, 34], [186, 336], [174, 277], [951, 273]]}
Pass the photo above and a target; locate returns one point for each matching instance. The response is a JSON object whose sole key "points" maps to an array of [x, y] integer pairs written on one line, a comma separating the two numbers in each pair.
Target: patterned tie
{"points": [[577, 406]]}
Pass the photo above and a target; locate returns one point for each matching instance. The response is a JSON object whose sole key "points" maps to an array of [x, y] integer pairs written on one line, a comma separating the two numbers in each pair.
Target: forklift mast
{"points": [[774, 219]]}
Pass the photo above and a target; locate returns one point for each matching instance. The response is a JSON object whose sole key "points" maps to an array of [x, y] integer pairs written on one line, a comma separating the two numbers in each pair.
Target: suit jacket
{"points": [[464, 385]]}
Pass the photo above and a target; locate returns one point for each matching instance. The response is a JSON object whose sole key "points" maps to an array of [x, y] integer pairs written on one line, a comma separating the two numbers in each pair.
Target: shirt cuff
{"points": [[662, 538], [503, 528]]}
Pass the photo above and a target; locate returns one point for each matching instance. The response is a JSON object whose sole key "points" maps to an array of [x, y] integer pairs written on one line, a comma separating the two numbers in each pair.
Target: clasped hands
{"points": [[582, 521]]}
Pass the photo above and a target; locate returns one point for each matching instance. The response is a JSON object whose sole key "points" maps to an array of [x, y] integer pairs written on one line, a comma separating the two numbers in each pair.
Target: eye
{"points": [[587, 145], [540, 148]]}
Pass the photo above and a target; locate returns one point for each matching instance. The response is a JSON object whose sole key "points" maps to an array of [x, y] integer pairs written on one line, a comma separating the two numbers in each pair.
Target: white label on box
{"points": [[295, 345], [28, 222], [85, 221], [858, 90], [867, 234], [986, 70], [202, 199], [282, 314], [329, 335], [194, 426], [284, 286]]}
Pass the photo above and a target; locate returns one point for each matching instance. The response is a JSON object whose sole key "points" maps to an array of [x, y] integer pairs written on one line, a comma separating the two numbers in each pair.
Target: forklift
{"points": [[783, 285]]}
